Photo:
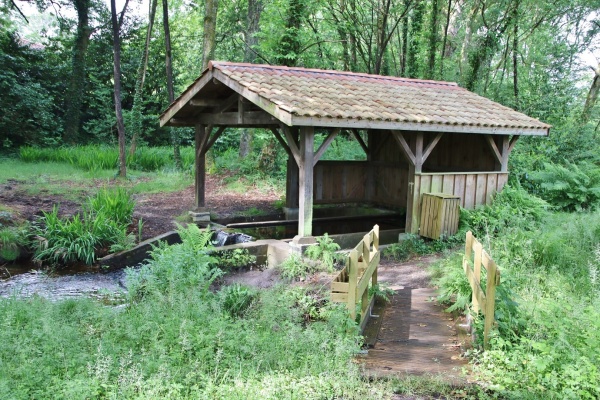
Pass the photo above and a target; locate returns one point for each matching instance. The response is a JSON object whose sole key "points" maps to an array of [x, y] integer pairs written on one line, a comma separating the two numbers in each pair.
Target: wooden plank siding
{"points": [[348, 182], [473, 188]]}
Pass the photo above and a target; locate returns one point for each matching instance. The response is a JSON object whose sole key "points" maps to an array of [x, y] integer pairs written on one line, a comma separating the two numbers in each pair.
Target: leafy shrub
{"points": [[115, 203], [294, 267], [512, 207], [61, 241], [234, 258], [413, 245], [572, 187], [236, 298], [176, 267], [102, 226], [324, 252], [12, 241]]}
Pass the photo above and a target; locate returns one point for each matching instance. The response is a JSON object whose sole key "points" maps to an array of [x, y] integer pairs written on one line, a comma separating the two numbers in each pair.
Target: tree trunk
{"points": [[210, 26], [255, 8], [76, 84], [443, 52], [592, 97], [464, 51], [404, 56], [169, 67], [415, 33], [289, 45], [515, 21], [433, 40], [139, 84], [117, 88]]}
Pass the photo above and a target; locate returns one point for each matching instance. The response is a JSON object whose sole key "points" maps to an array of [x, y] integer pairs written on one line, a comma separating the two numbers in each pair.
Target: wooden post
{"points": [[352, 268], [477, 274], [505, 153], [306, 167], [200, 163], [490, 297], [291, 187]]}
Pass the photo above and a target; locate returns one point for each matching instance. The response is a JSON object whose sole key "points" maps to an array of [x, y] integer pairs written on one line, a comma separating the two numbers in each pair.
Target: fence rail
{"points": [[352, 283], [476, 257]]}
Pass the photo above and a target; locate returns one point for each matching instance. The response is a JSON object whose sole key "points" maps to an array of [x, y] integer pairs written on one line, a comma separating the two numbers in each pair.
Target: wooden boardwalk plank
{"points": [[416, 337]]}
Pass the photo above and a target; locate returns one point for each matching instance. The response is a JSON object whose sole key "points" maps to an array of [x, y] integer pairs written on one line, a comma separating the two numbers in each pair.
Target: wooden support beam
{"points": [[213, 139], [419, 153], [292, 143], [200, 167], [227, 103], [513, 141], [240, 101], [292, 188], [360, 141], [201, 103], [492, 143], [282, 142], [431, 146], [325, 145], [505, 153], [233, 119], [306, 166], [201, 146], [410, 156]]}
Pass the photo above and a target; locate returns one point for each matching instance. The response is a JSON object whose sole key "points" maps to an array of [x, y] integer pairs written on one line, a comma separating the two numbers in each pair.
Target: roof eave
{"points": [[415, 126]]}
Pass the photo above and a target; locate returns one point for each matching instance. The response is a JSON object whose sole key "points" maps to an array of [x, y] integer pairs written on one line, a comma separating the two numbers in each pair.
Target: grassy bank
{"points": [[547, 341]]}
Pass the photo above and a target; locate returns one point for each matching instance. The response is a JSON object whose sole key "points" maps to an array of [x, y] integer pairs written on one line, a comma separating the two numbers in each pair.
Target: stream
{"points": [[22, 281]]}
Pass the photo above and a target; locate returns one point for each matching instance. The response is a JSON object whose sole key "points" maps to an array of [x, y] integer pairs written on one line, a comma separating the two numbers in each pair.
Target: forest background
{"points": [[58, 81]]}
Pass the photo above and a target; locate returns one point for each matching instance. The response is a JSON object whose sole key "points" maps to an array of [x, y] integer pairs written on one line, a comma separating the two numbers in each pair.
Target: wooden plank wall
{"points": [[473, 188], [340, 181]]}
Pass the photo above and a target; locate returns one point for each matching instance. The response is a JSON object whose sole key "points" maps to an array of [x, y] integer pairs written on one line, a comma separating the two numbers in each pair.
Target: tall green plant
{"points": [[572, 187]]}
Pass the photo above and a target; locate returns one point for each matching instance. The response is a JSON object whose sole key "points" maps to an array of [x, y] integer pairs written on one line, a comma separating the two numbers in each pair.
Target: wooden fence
{"points": [[476, 257], [352, 283]]}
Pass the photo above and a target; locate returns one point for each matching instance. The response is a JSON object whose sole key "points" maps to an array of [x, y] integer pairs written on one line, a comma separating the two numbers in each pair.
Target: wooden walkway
{"points": [[416, 337]]}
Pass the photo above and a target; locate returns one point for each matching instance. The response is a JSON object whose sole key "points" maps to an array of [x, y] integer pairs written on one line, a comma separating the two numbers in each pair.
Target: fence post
{"points": [[352, 282], [490, 297], [478, 249]]}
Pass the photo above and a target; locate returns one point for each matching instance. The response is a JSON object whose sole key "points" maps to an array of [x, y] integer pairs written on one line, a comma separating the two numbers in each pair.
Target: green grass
{"points": [[176, 338], [73, 183], [547, 338]]}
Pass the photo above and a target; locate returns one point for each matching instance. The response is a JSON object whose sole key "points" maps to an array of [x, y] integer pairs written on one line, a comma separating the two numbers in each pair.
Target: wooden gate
{"points": [[352, 283], [475, 257]]}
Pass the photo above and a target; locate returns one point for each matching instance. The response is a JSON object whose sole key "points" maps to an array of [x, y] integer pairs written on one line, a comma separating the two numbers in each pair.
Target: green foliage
{"points": [[411, 245], [102, 224], [101, 157], [513, 207], [294, 267], [382, 291], [572, 187], [12, 242], [324, 253], [115, 203], [236, 299], [544, 343], [237, 258]]}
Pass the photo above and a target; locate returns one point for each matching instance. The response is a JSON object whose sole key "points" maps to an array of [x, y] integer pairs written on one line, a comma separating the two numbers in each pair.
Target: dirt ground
{"points": [[158, 211]]}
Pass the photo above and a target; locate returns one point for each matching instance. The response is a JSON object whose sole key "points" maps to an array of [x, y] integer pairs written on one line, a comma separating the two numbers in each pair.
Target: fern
{"points": [[195, 237], [572, 187]]}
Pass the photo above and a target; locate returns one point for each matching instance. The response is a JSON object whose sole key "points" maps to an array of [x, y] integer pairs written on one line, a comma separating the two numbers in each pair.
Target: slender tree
{"points": [[116, 28], [170, 91], [433, 40], [255, 8], [76, 84], [141, 78], [210, 31]]}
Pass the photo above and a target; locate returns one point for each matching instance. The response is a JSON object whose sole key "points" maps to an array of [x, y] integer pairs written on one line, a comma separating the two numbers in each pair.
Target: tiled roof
{"points": [[334, 95]]}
